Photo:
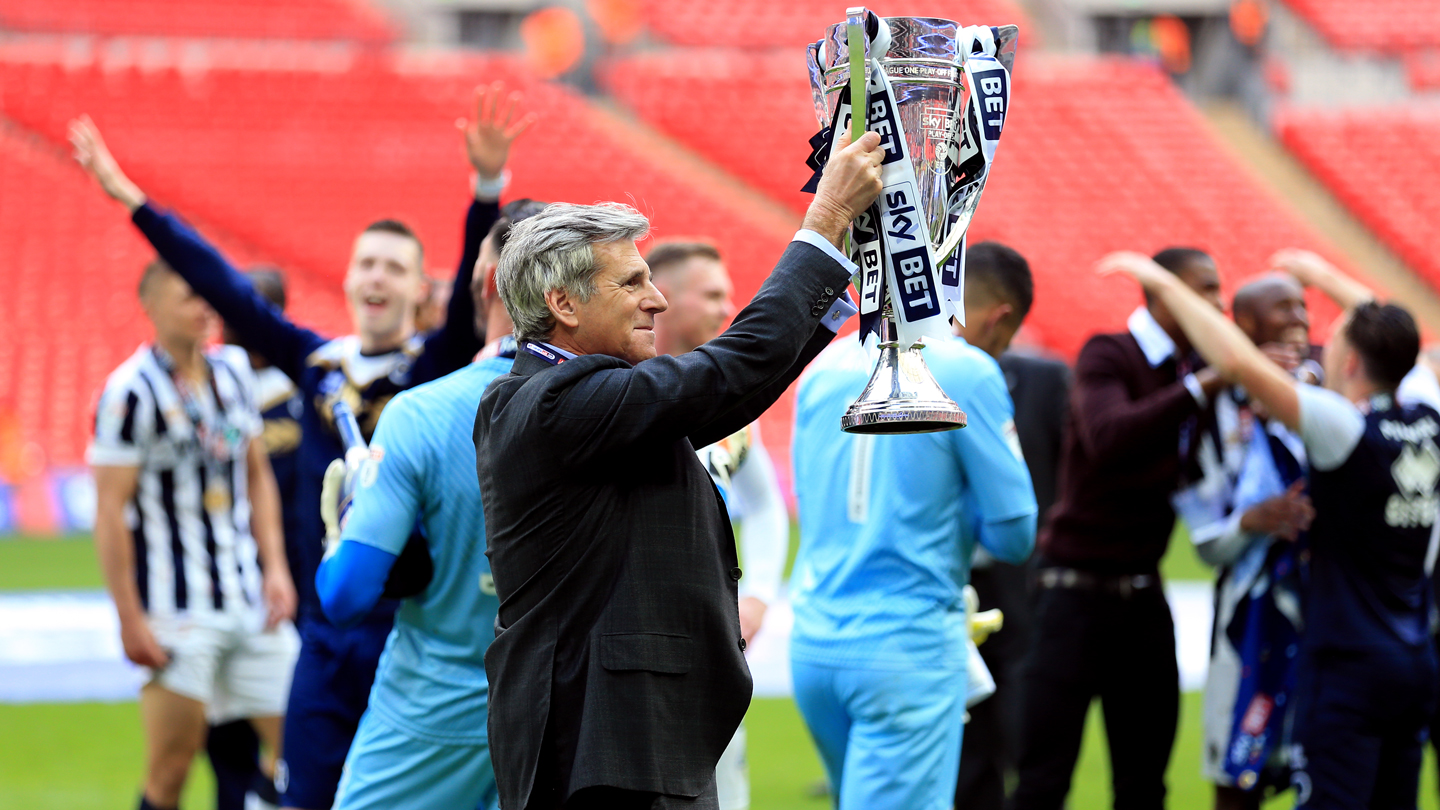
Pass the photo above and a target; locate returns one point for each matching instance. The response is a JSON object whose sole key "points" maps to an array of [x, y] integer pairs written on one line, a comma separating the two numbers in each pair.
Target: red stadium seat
{"points": [[1384, 164], [793, 23], [351, 20], [1387, 26]]}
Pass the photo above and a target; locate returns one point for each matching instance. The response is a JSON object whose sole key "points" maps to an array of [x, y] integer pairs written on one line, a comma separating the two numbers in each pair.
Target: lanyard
{"points": [[211, 438], [543, 352]]}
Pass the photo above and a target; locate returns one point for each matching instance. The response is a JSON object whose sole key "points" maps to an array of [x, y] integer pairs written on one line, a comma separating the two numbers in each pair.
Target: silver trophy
{"points": [[937, 93]]}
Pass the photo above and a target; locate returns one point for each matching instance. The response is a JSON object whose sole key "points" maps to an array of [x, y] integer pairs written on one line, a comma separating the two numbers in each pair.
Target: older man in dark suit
{"points": [[617, 676]]}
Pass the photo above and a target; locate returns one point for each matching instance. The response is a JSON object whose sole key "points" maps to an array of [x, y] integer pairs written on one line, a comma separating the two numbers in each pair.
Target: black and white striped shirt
{"points": [[190, 516]]}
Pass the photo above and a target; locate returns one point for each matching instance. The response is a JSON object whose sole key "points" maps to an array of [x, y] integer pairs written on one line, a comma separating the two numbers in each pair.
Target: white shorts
{"points": [[732, 774], [227, 661]]}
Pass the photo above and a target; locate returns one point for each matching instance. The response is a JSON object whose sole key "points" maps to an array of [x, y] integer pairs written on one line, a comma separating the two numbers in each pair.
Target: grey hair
{"points": [[553, 250]]}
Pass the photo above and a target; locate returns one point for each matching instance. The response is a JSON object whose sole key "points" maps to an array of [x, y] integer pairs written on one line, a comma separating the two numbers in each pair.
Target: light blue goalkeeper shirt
{"points": [[888, 524], [431, 679]]}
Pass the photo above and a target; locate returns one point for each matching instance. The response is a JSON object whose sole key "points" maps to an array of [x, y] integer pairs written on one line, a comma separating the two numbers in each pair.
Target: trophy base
{"points": [[895, 418], [901, 396]]}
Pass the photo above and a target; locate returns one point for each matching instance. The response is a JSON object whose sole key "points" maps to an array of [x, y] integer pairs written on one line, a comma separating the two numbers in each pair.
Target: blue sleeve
{"points": [[455, 344], [389, 493], [232, 295], [995, 473], [351, 581]]}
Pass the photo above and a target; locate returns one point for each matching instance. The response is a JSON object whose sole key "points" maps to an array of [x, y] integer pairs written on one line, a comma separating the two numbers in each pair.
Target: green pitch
{"points": [[89, 755]]}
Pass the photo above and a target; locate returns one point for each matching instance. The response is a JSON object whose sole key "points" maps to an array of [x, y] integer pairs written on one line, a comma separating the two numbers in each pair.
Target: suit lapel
{"points": [[527, 364]]}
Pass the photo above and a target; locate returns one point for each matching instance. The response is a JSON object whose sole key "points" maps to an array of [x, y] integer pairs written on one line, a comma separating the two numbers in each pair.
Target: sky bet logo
{"points": [[993, 92], [902, 225]]}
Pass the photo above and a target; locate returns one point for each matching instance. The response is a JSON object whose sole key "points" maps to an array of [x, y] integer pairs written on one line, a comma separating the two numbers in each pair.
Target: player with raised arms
{"points": [[384, 280]]}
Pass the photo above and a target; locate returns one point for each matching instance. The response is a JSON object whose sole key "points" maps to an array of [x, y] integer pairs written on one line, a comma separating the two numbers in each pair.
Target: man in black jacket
{"points": [[617, 675]]}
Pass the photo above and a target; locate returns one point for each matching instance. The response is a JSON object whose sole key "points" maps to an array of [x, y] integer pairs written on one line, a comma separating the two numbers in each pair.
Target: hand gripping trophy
{"points": [[937, 93]]}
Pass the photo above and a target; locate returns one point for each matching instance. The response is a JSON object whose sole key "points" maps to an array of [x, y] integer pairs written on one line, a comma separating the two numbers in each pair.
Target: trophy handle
{"points": [[855, 40]]}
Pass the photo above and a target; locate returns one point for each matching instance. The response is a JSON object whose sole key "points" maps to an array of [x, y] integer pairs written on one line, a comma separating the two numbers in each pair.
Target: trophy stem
{"points": [[902, 395]]}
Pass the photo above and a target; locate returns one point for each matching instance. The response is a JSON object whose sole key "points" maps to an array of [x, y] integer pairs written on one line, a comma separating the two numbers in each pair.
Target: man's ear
{"points": [[997, 314], [563, 308], [1353, 367]]}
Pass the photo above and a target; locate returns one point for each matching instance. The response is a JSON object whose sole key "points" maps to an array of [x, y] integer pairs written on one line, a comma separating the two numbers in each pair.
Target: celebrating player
{"points": [[881, 646], [422, 740], [1368, 670], [187, 512], [385, 356], [697, 287]]}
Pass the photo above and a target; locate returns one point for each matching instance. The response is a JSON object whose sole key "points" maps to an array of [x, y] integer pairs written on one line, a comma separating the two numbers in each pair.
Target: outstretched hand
{"points": [[1308, 268], [850, 183], [1138, 266], [489, 136], [95, 158]]}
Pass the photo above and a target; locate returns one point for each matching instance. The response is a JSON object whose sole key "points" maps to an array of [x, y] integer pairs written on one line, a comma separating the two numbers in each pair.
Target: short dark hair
{"points": [[398, 228], [1387, 340], [269, 281], [1001, 272], [1176, 259], [152, 272], [511, 213], [672, 253]]}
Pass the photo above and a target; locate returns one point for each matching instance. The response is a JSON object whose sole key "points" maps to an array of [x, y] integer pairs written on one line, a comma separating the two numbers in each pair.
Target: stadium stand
{"points": [[253, 19], [1385, 26], [1099, 155], [69, 315], [1383, 164], [770, 24], [294, 162]]}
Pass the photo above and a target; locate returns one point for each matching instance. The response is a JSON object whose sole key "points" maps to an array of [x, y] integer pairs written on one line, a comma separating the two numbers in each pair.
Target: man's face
{"points": [[485, 265], [177, 312], [1201, 276], [699, 294], [1276, 312], [383, 284], [619, 319]]}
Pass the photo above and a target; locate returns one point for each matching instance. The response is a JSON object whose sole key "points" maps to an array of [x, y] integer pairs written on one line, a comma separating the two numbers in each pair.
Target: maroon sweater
{"points": [[1120, 461]]}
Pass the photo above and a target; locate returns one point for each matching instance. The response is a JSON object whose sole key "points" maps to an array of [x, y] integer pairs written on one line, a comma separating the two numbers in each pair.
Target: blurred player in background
{"points": [[232, 746], [881, 648], [187, 513], [697, 286], [999, 291], [1245, 514], [385, 356], [1368, 668], [422, 741], [1102, 625]]}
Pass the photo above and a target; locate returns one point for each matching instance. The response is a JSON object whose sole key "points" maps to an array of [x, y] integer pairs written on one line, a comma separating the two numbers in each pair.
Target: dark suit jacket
{"points": [[1040, 388], [617, 658]]}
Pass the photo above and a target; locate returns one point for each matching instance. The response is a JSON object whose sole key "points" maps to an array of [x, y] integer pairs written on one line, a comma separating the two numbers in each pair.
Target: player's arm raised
{"points": [[488, 138], [197, 261], [1213, 335], [115, 546], [1311, 270], [266, 526]]}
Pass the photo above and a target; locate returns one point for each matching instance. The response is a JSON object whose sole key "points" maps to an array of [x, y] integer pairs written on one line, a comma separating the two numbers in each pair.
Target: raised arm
{"points": [[1214, 336], [197, 261], [666, 398], [488, 139], [1313, 271]]}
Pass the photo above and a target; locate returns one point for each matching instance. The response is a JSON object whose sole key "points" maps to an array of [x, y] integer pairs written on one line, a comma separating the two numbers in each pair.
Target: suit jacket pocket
{"points": [[652, 652]]}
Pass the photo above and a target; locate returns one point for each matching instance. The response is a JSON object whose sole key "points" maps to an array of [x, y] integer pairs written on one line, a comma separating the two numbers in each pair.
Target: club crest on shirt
{"points": [[1416, 472]]}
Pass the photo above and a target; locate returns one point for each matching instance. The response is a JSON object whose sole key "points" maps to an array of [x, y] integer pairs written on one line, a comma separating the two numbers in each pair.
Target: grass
{"points": [[89, 755]]}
